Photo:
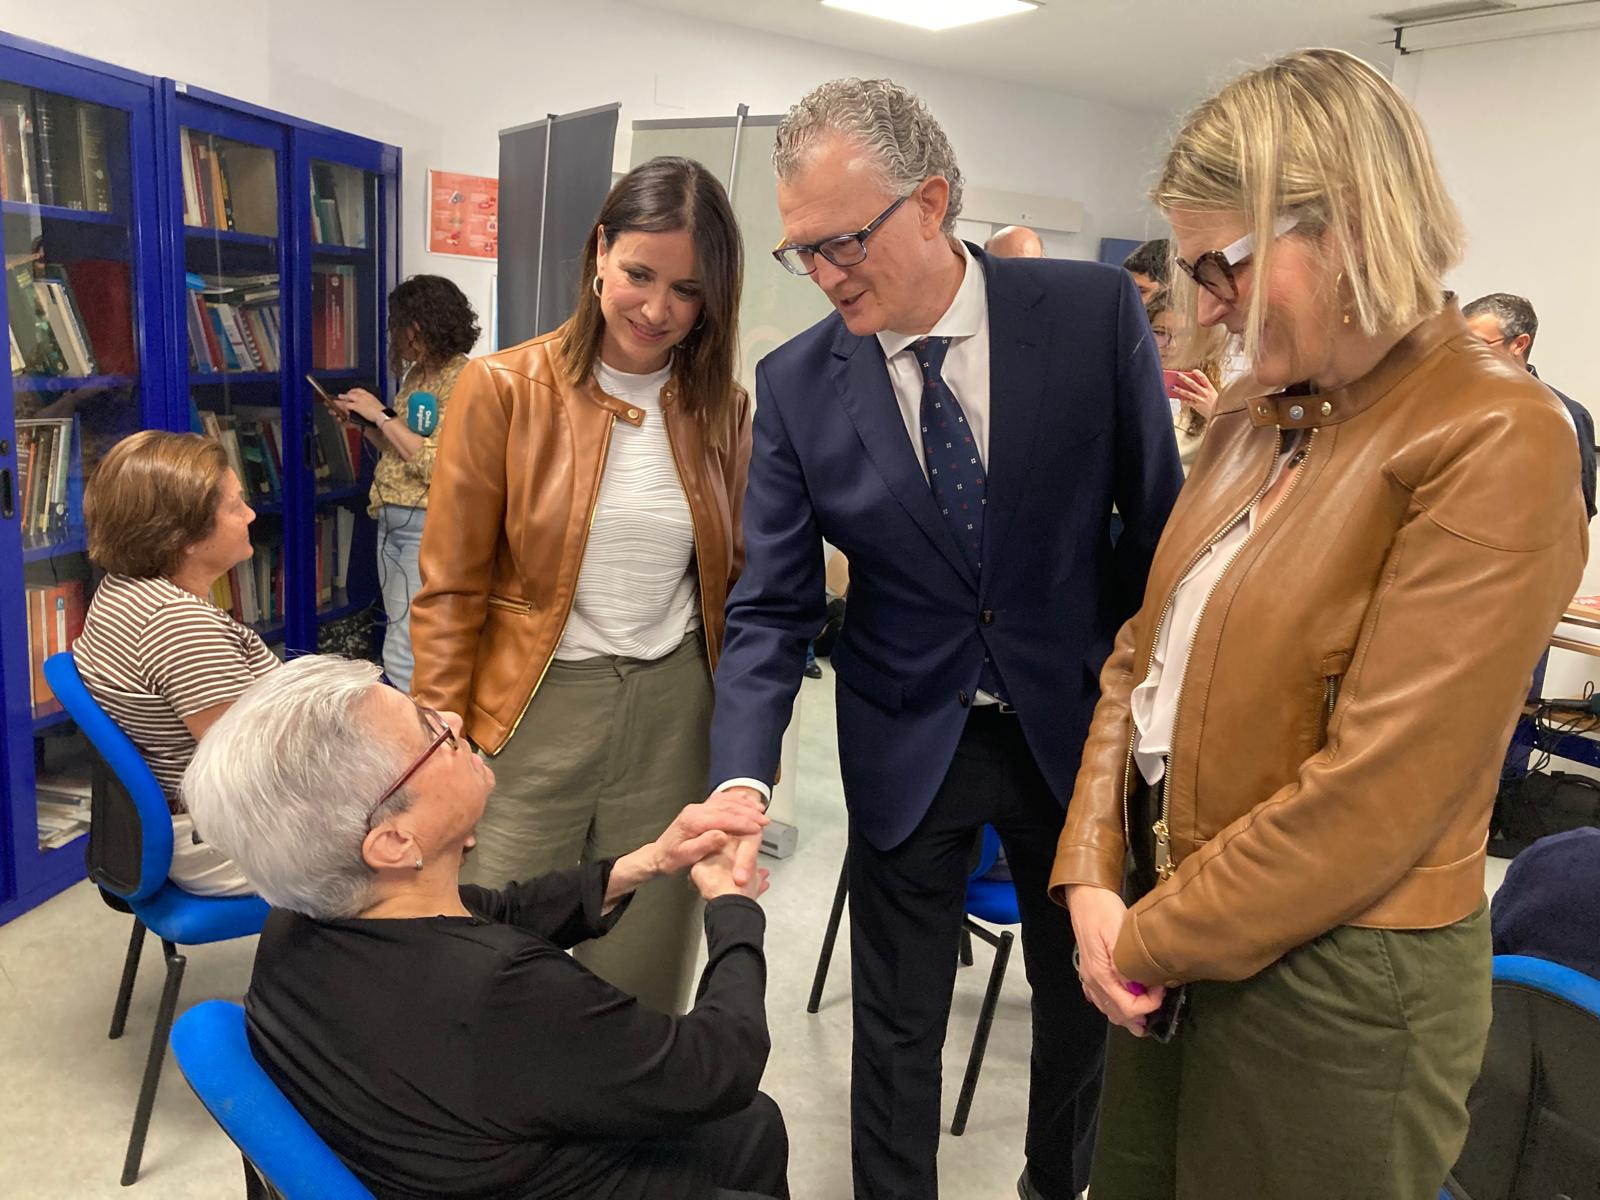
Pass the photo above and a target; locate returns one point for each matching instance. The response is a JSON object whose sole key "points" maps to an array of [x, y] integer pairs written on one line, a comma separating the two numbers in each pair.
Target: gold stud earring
{"points": [[419, 864]]}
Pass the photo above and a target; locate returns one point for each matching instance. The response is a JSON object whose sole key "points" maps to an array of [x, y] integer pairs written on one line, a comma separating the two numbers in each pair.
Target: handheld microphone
{"points": [[422, 413]]}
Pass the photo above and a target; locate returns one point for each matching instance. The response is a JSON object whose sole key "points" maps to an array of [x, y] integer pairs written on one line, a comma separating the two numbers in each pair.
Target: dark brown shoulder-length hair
{"points": [[662, 196]]}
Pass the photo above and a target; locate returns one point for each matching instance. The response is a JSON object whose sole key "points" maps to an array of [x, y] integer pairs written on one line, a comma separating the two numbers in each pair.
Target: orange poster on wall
{"points": [[463, 215]]}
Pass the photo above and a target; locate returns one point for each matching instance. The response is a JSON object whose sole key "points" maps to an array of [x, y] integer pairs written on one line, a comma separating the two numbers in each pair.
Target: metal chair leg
{"points": [[966, 947], [980, 1036], [152, 1067], [130, 968], [830, 936]]}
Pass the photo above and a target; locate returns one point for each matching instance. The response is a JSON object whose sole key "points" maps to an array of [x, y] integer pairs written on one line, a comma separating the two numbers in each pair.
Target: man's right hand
{"points": [[714, 876], [1097, 917], [744, 860]]}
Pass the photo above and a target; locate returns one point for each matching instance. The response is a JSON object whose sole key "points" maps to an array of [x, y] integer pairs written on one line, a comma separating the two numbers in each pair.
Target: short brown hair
{"points": [[153, 495], [662, 196]]}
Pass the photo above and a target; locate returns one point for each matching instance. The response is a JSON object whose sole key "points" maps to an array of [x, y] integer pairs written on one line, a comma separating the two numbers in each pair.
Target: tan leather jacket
{"points": [[1357, 670], [509, 510]]}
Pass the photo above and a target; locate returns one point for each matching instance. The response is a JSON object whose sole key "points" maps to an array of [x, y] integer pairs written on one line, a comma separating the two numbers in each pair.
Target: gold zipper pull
{"points": [[1163, 850]]}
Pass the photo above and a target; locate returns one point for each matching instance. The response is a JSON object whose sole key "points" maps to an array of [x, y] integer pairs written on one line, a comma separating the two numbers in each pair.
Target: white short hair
{"points": [[888, 121], [282, 783]]}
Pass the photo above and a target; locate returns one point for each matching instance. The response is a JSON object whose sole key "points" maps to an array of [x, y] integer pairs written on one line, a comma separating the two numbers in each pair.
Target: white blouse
{"points": [[637, 594], [1154, 703]]}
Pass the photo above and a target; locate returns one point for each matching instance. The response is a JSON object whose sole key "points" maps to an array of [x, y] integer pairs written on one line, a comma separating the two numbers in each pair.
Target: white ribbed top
{"points": [[637, 594]]}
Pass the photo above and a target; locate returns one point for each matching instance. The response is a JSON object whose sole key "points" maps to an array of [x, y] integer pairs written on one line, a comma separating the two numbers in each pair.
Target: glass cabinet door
{"points": [[77, 236]]}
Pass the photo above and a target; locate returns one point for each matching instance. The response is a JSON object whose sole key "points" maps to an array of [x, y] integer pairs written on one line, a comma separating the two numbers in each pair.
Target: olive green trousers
{"points": [[1340, 1072], [608, 753]]}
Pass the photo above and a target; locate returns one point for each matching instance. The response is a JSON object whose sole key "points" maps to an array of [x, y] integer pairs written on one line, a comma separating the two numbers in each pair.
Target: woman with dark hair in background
{"points": [[431, 330], [1193, 388], [585, 533]]}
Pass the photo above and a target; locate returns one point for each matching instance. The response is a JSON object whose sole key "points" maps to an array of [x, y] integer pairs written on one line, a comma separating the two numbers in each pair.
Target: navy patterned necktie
{"points": [[955, 470]]}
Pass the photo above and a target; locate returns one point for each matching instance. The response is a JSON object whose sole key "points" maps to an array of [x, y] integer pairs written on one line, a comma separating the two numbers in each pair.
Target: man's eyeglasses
{"points": [[846, 250], [1214, 270], [445, 734]]}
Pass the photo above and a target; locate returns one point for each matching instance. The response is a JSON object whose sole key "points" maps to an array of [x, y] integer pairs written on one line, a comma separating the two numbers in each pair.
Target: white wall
{"points": [[1516, 127], [440, 82]]}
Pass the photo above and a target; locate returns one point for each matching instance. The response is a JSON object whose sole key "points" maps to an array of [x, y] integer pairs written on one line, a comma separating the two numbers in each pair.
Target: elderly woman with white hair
{"points": [[437, 1036]]}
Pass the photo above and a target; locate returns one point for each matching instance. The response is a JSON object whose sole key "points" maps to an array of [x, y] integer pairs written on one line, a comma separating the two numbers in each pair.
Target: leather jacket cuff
{"points": [[1079, 863], [1133, 959]]}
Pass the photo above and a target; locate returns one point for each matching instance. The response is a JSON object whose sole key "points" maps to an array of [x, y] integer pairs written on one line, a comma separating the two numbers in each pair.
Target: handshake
{"points": [[716, 841]]}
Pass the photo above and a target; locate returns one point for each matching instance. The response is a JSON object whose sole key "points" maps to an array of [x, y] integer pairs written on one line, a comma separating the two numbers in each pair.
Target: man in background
{"points": [[921, 428], [1015, 241], [1509, 324], [1149, 266]]}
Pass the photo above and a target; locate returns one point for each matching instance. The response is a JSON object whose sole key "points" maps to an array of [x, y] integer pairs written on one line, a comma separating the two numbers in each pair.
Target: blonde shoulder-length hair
{"points": [[1322, 137]]}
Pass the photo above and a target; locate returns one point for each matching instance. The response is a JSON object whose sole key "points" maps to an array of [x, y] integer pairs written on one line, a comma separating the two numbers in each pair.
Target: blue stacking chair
{"points": [[129, 855], [1535, 1129], [284, 1159], [991, 900]]}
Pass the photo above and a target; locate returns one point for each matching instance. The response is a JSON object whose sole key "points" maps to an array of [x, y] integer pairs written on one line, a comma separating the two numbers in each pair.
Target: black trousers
{"points": [[744, 1156], [906, 906]]}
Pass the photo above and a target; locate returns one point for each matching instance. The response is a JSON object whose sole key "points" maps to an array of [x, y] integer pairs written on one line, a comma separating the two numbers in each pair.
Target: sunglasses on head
{"points": [[1214, 270]]}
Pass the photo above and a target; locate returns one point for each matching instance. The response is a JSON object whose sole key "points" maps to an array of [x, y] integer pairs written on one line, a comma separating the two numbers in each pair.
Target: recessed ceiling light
{"points": [[934, 14]]}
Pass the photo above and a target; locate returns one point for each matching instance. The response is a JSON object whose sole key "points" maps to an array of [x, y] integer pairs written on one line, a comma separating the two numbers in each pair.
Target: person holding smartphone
{"points": [[431, 329], [1192, 390], [1300, 733]]}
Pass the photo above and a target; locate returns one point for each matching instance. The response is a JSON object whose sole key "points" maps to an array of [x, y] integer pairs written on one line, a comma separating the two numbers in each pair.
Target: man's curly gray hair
{"points": [[890, 123]]}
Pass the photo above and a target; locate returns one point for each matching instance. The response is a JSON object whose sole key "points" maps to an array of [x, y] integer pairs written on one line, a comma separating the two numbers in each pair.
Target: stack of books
{"points": [[44, 478], [55, 619], [53, 150], [235, 322], [51, 334], [252, 591], [228, 185]]}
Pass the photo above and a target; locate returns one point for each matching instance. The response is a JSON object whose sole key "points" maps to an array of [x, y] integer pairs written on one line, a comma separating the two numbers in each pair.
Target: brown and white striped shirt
{"points": [[152, 654]]}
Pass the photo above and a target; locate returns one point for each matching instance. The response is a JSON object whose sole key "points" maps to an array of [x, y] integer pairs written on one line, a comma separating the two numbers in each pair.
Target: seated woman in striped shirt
{"points": [[166, 519]]}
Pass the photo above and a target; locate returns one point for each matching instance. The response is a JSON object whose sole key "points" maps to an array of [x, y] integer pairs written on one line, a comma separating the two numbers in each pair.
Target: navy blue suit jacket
{"points": [[1079, 421]]}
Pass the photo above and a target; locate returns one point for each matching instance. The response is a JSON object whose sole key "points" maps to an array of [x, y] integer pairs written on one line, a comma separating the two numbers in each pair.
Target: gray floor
{"points": [[67, 1093]]}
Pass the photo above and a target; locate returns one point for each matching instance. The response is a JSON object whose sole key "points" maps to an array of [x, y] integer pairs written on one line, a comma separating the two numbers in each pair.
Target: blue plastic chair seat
{"points": [[190, 920], [994, 901], [213, 1052]]}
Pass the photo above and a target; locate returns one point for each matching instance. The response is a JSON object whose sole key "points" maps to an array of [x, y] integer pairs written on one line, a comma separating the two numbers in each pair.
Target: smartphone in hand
{"points": [[328, 400]]}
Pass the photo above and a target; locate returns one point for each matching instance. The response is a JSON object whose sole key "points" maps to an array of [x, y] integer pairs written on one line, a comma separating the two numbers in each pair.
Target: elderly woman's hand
{"points": [[707, 828], [1097, 917], [714, 876]]}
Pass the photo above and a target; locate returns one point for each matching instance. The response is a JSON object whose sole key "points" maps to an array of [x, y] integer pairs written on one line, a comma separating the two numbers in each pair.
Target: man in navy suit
{"points": [[960, 427]]}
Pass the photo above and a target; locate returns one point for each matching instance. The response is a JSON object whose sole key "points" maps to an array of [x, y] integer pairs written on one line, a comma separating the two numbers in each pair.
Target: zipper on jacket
{"points": [[594, 504], [1330, 700], [1160, 828], [699, 571]]}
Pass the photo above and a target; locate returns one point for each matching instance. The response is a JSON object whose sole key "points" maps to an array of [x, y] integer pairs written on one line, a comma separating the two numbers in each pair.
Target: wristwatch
{"points": [[389, 414]]}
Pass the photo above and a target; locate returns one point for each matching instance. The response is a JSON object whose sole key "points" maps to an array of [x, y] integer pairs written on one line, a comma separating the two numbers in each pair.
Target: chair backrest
{"points": [[214, 1055], [130, 826], [1535, 1128]]}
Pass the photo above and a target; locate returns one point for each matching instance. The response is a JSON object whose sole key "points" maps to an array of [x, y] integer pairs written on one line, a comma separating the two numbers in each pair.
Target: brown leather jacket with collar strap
{"points": [[509, 510], [1357, 670]]}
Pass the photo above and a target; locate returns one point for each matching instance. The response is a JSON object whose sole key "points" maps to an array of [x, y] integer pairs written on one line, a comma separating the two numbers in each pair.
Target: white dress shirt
{"points": [[965, 373]]}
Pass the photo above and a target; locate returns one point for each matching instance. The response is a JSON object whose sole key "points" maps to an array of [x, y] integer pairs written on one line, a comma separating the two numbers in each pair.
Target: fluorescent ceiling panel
{"points": [[934, 14]]}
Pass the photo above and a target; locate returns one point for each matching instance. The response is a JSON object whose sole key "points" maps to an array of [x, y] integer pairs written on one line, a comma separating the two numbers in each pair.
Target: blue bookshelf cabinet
{"points": [[168, 259]]}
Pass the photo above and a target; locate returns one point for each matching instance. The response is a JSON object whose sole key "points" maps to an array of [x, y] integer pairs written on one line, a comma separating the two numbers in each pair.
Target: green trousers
{"points": [[608, 753], [1340, 1072]]}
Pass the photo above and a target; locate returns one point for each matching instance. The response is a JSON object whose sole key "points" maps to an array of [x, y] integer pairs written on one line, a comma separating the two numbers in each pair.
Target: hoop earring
{"points": [[595, 284], [701, 323]]}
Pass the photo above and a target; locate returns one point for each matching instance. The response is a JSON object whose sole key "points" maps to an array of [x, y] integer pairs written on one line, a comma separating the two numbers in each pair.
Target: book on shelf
{"points": [[103, 291], [228, 185], [53, 150], [234, 322], [335, 464], [338, 205], [333, 318], [252, 439], [55, 619], [51, 330], [335, 532], [252, 591], [44, 475]]}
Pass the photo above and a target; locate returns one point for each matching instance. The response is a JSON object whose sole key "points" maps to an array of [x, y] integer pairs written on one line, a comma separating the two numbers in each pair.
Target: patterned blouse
{"points": [[394, 480]]}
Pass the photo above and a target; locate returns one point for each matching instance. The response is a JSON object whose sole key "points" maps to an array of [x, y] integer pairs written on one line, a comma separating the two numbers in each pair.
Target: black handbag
{"points": [[1539, 804]]}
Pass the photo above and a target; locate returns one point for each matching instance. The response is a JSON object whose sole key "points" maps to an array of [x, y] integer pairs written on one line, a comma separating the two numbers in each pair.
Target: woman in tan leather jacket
{"points": [[1300, 732], [583, 532]]}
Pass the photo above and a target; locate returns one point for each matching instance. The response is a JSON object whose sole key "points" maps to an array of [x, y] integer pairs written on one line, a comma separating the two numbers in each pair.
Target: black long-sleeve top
{"points": [[471, 1057]]}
